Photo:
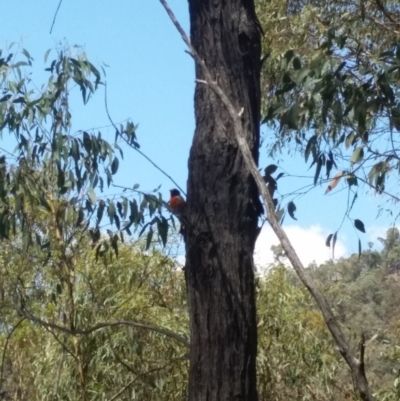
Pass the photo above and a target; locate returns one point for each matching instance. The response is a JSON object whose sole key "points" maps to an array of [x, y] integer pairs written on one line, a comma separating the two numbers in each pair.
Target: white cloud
{"points": [[309, 243]]}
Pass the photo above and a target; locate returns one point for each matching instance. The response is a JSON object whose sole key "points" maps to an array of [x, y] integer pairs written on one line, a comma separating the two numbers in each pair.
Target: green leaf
{"points": [[351, 180], [26, 54], [98, 248], [318, 169], [46, 55], [149, 238], [357, 155], [100, 211], [112, 212], [95, 235], [291, 118], [117, 222], [296, 63], [92, 195], [114, 244], [328, 240], [19, 64], [114, 165], [81, 216], [349, 140], [120, 209], [87, 142], [311, 144], [134, 211], [125, 206], [359, 249], [377, 174], [329, 165], [162, 226], [291, 209], [286, 59], [359, 225], [301, 74]]}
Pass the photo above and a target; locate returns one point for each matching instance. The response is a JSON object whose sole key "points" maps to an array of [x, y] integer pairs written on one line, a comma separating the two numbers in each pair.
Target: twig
{"points": [[135, 148], [55, 16], [115, 396], [330, 320]]}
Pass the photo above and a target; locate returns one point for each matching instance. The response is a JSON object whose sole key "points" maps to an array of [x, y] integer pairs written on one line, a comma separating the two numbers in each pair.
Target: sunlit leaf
{"points": [[335, 181], [92, 195], [357, 155]]}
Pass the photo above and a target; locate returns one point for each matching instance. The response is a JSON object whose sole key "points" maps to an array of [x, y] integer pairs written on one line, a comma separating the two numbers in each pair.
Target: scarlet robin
{"points": [[177, 204]]}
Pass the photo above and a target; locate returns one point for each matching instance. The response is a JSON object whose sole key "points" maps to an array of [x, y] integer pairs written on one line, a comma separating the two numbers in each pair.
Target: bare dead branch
{"points": [[115, 396], [75, 332]]}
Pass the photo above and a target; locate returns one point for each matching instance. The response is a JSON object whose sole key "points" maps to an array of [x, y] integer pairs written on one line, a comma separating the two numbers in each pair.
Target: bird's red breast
{"points": [[176, 203]]}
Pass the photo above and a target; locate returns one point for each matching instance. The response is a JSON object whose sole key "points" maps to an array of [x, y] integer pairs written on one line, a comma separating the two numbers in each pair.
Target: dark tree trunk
{"points": [[223, 205]]}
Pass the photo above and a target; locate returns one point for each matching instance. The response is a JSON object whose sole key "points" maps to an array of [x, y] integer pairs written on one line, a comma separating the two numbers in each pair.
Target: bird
{"points": [[177, 204]]}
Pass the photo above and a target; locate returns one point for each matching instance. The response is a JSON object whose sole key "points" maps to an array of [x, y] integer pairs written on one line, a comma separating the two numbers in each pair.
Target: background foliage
{"points": [[91, 305]]}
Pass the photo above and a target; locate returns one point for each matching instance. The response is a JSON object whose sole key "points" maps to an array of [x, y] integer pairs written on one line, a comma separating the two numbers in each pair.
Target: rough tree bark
{"points": [[223, 205]]}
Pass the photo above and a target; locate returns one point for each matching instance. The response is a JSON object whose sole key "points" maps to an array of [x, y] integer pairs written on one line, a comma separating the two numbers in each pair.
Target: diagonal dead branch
{"points": [[75, 332], [358, 374], [123, 389]]}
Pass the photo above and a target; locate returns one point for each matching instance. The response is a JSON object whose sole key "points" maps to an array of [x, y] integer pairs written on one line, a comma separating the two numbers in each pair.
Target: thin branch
{"points": [[397, 199], [136, 149], [115, 396], [168, 333], [55, 16], [238, 130], [63, 344], [122, 362]]}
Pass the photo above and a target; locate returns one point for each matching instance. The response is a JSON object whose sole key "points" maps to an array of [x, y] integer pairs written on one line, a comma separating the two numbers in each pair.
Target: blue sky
{"points": [[151, 80]]}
